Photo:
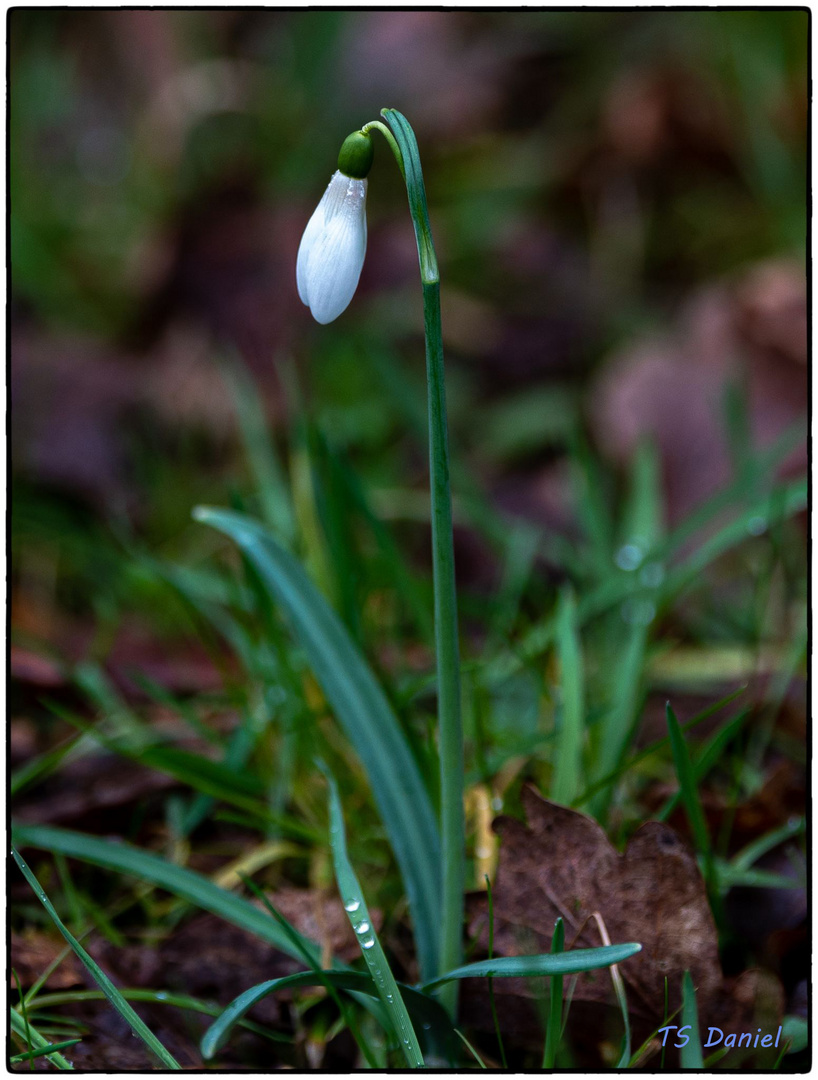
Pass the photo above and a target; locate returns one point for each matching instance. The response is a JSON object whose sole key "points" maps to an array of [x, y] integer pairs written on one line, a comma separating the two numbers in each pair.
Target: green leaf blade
{"points": [[690, 1055], [178, 880], [371, 949], [566, 963], [365, 716], [136, 1023]]}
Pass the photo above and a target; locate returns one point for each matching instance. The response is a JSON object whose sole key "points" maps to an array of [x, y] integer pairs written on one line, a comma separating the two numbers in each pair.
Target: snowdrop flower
{"points": [[333, 246]]}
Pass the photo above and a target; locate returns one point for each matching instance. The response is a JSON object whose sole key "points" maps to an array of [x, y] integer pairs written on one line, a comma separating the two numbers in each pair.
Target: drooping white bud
{"points": [[332, 249]]}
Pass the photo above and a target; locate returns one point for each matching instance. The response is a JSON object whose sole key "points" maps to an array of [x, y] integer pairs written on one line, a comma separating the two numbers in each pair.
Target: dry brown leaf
{"points": [[562, 864]]}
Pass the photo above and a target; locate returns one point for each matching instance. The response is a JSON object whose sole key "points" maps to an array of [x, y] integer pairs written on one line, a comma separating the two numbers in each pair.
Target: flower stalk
{"points": [[329, 265], [446, 633]]}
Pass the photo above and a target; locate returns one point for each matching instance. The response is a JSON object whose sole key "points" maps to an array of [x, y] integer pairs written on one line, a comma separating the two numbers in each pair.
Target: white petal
{"points": [[311, 233], [332, 249]]}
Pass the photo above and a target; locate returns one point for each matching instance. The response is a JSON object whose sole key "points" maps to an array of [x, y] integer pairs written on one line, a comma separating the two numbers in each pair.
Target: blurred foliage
{"points": [[694, 123], [619, 201]]}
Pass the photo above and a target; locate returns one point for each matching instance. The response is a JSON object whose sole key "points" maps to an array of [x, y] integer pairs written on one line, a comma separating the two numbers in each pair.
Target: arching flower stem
{"points": [[376, 125], [404, 146]]}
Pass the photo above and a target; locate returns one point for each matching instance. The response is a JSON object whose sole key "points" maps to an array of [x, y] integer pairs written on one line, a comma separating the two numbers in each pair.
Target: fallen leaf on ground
{"points": [[562, 864]]}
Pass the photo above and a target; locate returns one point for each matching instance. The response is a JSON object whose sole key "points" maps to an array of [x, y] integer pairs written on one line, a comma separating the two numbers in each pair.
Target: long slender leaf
{"points": [[32, 1038], [42, 1051], [616, 589], [541, 964], [292, 933], [361, 921], [136, 1023], [708, 758], [427, 1014], [690, 1055], [176, 879], [762, 515], [154, 997], [552, 1032], [267, 471], [364, 714], [492, 1002], [620, 719], [653, 747], [687, 783], [568, 756], [753, 851]]}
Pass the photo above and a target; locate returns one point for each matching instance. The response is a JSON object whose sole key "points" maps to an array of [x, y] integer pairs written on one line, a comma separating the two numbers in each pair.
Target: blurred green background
{"points": [[619, 201], [600, 184]]}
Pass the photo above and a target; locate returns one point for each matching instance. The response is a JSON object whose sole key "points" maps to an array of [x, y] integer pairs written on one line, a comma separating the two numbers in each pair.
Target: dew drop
{"points": [[352, 905], [637, 612], [368, 943], [362, 928], [652, 575], [629, 557]]}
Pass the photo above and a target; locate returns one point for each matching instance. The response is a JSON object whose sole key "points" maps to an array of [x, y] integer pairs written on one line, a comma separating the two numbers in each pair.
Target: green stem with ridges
{"points": [[446, 633]]}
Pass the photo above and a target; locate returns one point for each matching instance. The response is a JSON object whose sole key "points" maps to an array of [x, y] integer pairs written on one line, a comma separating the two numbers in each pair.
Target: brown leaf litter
{"points": [[561, 863]]}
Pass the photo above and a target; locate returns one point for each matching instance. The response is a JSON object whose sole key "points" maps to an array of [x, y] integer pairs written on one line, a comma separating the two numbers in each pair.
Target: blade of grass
{"points": [[137, 1025], [18, 1059], [568, 753], [181, 708], [424, 1009], [33, 1039], [649, 1045], [591, 505], [361, 921], [211, 778], [690, 799], [753, 851], [642, 518], [767, 511], [552, 1033], [621, 997], [619, 721], [656, 746], [492, 1003], [292, 934], [766, 463], [156, 997], [49, 970], [24, 1011], [708, 758], [265, 466], [41, 766], [399, 571], [364, 714], [541, 964], [178, 880], [616, 589], [690, 1055], [730, 878], [470, 1048], [335, 516]]}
